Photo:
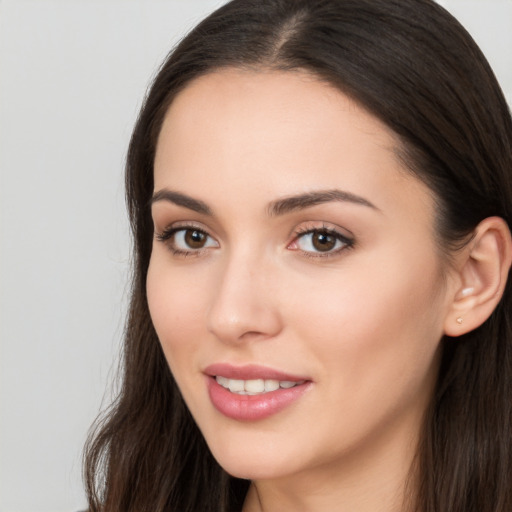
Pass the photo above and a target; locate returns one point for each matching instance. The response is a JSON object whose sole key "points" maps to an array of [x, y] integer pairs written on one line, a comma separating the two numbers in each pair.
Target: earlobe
{"points": [[483, 275]]}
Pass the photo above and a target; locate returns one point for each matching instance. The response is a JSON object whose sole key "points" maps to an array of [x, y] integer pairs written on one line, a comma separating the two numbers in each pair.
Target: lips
{"points": [[251, 392]]}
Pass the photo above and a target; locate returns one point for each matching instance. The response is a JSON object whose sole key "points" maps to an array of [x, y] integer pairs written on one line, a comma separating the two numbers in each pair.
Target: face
{"points": [[294, 282]]}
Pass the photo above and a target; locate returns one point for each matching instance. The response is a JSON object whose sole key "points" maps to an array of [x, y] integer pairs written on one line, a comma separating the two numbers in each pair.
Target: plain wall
{"points": [[72, 77]]}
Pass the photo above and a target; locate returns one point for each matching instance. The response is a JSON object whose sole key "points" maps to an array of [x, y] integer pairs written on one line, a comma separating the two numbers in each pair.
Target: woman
{"points": [[320, 194]]}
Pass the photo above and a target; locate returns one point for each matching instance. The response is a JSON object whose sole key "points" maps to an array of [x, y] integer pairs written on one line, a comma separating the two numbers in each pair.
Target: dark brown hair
{"points": [[413, 66]]}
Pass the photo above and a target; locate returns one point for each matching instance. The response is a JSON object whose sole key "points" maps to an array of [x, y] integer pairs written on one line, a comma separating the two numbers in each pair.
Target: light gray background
{"points": [[72, 77]]}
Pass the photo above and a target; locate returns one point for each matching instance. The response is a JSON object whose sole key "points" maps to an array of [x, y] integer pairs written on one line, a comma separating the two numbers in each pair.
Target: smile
{"points": [[253, 392], [255, 386]]}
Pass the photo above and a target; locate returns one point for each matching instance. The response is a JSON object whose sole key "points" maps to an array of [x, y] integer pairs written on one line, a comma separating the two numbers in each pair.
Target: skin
{"points": [[363, 321]]}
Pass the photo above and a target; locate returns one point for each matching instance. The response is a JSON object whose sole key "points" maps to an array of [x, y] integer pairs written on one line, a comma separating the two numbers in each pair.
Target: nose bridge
{"points": [[241, 305]]}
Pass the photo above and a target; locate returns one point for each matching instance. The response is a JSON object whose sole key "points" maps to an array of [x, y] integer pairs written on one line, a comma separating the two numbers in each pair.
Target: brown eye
{"points": [[195, 239], [323, 241], [187, 240]]}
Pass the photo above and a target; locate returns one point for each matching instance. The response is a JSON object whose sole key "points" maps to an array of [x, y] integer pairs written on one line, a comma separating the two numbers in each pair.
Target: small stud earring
{"points": [[459, 320]]}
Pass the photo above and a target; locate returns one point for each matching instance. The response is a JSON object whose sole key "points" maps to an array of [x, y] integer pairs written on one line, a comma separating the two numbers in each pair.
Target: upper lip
{"points": [[250, 372]]}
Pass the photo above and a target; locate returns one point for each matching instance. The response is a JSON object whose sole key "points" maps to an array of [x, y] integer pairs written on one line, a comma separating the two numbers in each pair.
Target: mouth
{"points": [[252, 392], [255, 386]]}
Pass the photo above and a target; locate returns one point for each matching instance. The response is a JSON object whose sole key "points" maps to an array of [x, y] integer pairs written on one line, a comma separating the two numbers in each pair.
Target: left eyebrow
{"points": [[309, 199]]}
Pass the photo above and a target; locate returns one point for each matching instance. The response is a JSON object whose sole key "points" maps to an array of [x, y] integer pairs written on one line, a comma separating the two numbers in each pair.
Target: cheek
{"points": [[375, 331], [176, 304]]}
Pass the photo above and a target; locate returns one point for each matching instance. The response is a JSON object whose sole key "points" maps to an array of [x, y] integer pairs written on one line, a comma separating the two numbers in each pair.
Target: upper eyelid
{"points": [[177, 225], [344, 238], [305, 231], [312, 226], [167, 235]]}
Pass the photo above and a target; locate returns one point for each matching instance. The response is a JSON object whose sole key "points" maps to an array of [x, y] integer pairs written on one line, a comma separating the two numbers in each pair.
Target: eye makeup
{"points": [[320, 242], [311, 240], [186, 240]]}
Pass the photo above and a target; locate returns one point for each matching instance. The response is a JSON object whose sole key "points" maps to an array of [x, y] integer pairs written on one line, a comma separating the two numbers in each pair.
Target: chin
{"points": [[248, 470], [253, 460]]}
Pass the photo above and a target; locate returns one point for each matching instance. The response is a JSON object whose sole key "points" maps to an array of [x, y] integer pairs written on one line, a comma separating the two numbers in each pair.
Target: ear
{"points": [[483, 271]]}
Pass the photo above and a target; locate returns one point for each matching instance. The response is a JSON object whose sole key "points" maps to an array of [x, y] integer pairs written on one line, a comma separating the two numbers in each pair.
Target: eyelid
{"points": [[166, 236], [348, 241], [180, 224]]}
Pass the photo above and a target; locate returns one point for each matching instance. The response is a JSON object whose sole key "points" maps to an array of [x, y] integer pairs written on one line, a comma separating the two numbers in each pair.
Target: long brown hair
{"points": [[412, 65]]}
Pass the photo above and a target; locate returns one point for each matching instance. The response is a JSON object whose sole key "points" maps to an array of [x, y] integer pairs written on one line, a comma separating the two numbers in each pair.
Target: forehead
{"points": [[295, 103], [274, 134]]}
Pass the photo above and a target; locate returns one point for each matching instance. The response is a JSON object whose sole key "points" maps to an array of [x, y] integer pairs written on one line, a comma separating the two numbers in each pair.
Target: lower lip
{"points": [[252, 407]]}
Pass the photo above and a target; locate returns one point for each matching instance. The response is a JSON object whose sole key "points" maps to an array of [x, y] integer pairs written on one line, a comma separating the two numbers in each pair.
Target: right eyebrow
{"points": [[180, 199]]}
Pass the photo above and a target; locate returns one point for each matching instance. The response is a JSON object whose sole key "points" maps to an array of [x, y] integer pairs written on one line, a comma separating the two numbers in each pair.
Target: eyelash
{"points": [[300, 233], [348, 243], [167, 234]]}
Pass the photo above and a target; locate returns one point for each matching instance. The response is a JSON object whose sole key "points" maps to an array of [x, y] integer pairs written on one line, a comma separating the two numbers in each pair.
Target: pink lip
{"points": [[250, 371], [252, 407]]}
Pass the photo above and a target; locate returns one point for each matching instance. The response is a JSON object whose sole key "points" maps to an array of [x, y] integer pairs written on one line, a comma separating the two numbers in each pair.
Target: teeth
{"points": [[223, 381], [254, 386], [235, 385], [271, 385]]}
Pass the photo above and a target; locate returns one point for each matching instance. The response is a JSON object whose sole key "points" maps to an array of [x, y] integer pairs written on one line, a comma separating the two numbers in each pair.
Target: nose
{"points": [[244, 305]]}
